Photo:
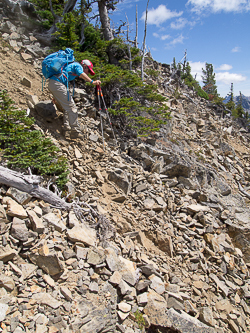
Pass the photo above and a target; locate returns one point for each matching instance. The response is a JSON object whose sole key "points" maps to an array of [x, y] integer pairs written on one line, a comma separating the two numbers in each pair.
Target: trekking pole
{"points": [[100, 110], [108, 115]]}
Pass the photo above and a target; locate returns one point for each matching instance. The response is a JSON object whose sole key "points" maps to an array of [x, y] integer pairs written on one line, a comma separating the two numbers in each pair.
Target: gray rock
{"points": [[46, 299], [36, 222], [125, 289], [96, 256], [21, 197], [172, 302], [27, 269], [46, 110], [19, 230], [14, 209], [49, 263], [82, 234], [206, 316], [157, 284], [184, 323], [7, 282], [7, 253], [122, 179], [3, 310], [149, 270], [113, 261], [93, 287], [55, 221], [220, 284], [66, 293], [142, 299], [26, 82], [177, 168]]}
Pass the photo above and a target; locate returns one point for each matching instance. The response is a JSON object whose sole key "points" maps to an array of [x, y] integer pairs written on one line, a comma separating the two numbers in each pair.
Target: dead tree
{"points": [[30, 184], [136, 29], [144, 43], [128, 46], [83, 211]]}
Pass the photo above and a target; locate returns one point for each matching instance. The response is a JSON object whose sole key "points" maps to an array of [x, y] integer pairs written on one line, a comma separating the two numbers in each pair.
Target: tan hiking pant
{"points": [[59, 91]]}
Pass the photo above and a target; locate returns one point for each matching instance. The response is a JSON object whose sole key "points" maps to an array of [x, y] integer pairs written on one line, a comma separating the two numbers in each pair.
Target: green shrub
{"points": [[23, 147], [43, 10], [152, 72], [139, 319], [66, 33], [139, 118]]}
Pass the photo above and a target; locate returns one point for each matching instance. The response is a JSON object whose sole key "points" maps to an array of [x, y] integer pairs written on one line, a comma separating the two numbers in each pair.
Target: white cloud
{"points": [[160, 15], [235, 49], [179, 23], [224, 67], [156, 35], [220, 5], [223, 77], [177, 40], [162, 37], [228, 78], [196, 69]]}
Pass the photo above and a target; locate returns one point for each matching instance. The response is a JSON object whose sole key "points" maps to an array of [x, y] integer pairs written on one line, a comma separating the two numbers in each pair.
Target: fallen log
{"points": [[29, 184]]}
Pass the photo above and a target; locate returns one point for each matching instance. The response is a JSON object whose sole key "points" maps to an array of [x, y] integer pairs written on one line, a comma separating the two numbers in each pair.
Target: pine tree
{"points": [[66, 33], [208, 79], [187, 73], [239, 108], [230, 104], [174, 64]]}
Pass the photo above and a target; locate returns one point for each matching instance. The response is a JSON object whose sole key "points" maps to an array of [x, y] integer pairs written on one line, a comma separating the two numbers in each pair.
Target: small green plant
{"points": [[23, 148], [175, 141], [176, 93], [152, 72], [4, 43], [139, 319], [200, 155]]}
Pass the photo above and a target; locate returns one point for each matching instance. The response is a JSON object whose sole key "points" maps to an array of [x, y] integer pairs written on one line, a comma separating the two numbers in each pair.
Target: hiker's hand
{"points": [[97, 83]]}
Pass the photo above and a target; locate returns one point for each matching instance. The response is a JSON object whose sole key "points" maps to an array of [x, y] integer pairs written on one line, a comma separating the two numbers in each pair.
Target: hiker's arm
{"points": [[88, 79]]}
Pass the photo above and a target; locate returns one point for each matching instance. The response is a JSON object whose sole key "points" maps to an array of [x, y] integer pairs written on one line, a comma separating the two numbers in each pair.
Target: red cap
{"points": [[89, 65]]}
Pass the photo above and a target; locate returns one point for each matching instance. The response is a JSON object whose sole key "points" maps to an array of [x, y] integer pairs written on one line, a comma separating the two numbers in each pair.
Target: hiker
{"points": [[58, 87]]}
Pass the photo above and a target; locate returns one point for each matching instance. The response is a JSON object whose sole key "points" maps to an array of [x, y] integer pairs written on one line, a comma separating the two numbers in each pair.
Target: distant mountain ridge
{"points": [[245, 101]]}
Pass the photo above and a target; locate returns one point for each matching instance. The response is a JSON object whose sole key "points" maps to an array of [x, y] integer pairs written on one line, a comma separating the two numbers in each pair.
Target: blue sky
{"points": [[212, 31]]}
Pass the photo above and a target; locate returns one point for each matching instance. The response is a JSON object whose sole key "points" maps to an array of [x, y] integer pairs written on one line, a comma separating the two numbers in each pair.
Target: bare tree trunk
{"points": [[69, 6], [144, 43], [104, 18], [107, 31], [136, 29], [128, 45]]}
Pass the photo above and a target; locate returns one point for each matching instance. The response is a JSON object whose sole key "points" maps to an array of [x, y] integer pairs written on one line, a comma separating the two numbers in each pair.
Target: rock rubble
{"points": [[176, 253]]}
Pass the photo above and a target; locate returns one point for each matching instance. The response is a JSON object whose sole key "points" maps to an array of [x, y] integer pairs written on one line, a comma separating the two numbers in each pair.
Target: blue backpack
{"points": [[54, 63]]}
